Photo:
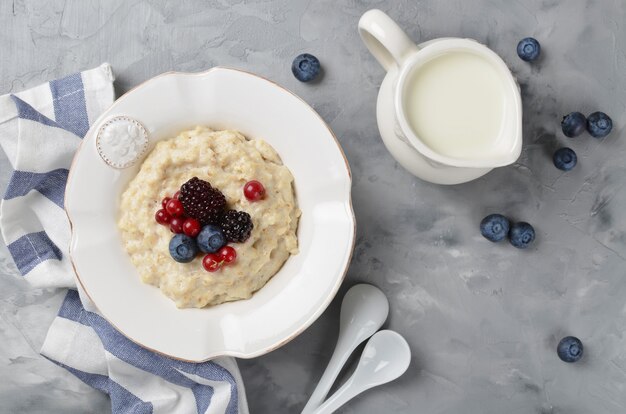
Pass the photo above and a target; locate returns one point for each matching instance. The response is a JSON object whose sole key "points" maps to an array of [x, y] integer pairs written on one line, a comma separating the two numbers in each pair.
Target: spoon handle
{"points": [[333, 368], [344, 394]]}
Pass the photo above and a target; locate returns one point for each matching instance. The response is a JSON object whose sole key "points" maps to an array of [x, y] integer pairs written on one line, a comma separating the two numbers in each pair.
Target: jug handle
{"points": [[385, 39]]}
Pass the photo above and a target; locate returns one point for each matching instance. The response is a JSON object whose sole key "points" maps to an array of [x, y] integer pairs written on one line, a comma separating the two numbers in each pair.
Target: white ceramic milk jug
{"points": [[449, 110]]}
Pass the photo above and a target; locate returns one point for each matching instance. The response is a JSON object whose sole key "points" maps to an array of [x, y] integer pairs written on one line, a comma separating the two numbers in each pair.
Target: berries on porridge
{"points": [[162, 217], [228, 254], [175, 208], [176, 224], [201, 201], [236, 225], [212, 262], [183, 248], [254, 190], [191, 227], [165, 201], [211, 239]]}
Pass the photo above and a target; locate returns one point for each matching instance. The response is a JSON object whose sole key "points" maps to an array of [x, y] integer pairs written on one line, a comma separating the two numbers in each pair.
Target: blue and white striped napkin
{"points": [[40, 129]]}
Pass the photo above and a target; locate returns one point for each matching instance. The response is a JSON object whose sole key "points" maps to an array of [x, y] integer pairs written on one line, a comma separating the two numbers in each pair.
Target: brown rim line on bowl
{"points": [[334, 289]]}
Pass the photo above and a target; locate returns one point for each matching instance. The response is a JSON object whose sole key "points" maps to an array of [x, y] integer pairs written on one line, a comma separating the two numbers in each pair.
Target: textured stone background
{"points": [[482, 320]]}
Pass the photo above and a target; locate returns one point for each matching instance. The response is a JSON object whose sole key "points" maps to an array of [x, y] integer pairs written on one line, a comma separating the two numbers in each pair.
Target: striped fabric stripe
{"points": [[70, 109], [164, 367], [25, 111], [31, 249], [122, 400], [50, 184]]}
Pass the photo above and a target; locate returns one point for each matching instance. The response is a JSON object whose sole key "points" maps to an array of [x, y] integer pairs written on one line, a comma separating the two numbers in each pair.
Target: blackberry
{"points": [[201, 201], [236, 225]]}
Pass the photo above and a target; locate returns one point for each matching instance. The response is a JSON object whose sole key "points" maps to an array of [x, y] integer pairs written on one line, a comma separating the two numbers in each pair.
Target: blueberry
{"points": [[573, 124], [494, 227], [183, 248], [305, 67], [565, 159], [599, 124], [528, 49], [211, 239], [570, 349], [521, 235]]}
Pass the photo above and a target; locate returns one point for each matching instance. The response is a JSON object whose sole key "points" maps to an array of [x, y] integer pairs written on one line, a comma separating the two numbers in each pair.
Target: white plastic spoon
{"points": [[363, 311], [386, 356]]}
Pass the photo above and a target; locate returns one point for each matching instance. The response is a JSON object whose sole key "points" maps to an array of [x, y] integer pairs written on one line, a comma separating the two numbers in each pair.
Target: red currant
{"points": [[191, 227], [176, 195], [227, 254], [176, 225], [254, 190], [162, 217], [165, 201], [211, 262], [175, 208]]}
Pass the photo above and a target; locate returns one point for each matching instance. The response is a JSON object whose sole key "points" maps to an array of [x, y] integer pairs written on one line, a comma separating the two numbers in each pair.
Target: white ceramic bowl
{"points": [[221, 99]]}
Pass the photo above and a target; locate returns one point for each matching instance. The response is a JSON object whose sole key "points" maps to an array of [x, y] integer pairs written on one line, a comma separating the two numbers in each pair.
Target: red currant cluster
{"points": [[173, 214], [212, 262]]}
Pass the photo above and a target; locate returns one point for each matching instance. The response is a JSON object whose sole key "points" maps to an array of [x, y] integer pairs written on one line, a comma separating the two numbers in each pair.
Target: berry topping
{"points": [[573, 124], [176, 225], [565, 159], [211, 262], [305, 67], [570, 349], [176, 195], [227, 254], [162, 217], [211, 239], [521, 235], [599, 124], [201, 201], [236, 225], [183, 248], [165, 201], [175, 208], [494, 227], [254, 190], [191, 227], [528, 49]]}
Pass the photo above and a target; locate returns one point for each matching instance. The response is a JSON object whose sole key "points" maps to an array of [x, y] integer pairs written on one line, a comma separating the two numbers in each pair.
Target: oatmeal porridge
{"points": [[236, 216]]}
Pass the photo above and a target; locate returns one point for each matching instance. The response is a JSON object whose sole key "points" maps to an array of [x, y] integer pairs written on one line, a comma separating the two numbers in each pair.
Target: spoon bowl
{"points": [[386, 357]]}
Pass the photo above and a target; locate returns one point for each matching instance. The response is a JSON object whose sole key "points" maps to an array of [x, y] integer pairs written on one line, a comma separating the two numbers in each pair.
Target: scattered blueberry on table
{"points": [[521, 235], [305, 67], [211, 239], [528, 49], [565, 159], [494, 227], [573, 124], [183, 248], [570, 349], [599, 124]]}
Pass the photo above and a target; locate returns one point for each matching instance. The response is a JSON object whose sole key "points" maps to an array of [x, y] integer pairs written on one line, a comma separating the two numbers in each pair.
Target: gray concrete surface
{"points": [[482, 320]]}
